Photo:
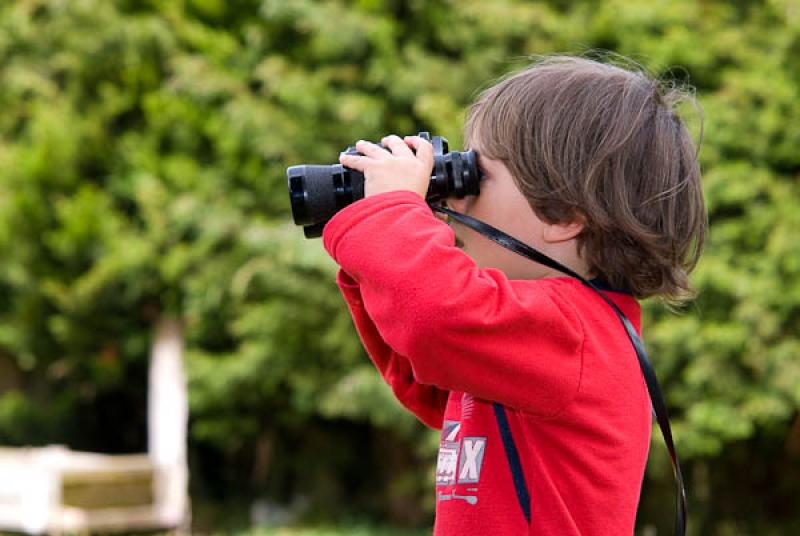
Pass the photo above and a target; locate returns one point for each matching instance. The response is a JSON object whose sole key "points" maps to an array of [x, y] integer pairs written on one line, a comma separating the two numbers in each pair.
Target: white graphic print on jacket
{"points": [[458, 469]]}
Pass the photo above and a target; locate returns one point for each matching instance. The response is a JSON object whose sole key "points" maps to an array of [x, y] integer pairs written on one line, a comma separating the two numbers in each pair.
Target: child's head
{"points": [[601, 146]]}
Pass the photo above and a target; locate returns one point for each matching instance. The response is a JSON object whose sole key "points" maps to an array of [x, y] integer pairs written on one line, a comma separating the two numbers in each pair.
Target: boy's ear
{"points": [[561, 232]]}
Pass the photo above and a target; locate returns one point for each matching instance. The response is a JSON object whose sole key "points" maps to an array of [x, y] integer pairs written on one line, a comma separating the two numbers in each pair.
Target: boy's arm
{"points": [[462, 328], [426, 402]]}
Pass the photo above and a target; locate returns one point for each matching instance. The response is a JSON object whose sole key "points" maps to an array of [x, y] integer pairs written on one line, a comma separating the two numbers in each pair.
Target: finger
{"points": [[352, 161], [423, 148], [397, 146], [371, 150]]}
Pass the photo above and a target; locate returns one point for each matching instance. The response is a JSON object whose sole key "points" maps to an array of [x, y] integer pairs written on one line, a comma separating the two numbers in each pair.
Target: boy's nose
{"points": [[459, 205]]}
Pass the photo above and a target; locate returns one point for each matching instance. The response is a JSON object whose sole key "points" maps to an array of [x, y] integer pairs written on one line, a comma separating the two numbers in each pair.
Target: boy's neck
{"points": [[567, 254]]}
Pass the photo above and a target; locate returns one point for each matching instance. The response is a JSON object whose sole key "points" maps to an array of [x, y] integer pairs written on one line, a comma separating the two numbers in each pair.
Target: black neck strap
{"points": [[656, 397]]}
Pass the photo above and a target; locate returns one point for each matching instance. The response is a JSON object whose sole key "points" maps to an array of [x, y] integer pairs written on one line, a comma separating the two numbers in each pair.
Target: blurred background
{"points": [[143, 148]]}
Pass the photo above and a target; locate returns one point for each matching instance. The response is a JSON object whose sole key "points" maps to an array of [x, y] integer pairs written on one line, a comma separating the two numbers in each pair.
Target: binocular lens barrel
{"points": [[317, 192]]}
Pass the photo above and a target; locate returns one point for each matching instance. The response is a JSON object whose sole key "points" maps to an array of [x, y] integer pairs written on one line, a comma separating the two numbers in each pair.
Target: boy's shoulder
{"points": [[574, 288], [583, 300]]}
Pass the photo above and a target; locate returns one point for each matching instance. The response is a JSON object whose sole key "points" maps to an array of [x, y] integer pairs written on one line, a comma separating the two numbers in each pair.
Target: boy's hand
{"points": [[397, 168]]}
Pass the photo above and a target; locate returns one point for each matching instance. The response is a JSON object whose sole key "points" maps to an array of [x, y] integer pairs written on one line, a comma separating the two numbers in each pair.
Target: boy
{"points": [[588, 164]]}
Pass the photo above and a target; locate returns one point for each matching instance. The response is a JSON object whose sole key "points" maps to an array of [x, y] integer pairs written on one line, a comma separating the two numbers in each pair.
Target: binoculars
{"points": [[317, 192]]}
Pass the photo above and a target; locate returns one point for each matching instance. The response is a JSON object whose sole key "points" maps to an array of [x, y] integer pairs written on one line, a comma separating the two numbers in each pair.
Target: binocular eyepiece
{"points": [[317, 192]]}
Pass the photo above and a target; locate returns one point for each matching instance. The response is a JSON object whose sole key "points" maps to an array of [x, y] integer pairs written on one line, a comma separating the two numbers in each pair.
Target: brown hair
{"points": [[603, 143]]}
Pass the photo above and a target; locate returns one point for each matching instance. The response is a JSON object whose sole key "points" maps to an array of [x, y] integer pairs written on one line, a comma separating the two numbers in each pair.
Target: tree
{"points": [[143, 147]]}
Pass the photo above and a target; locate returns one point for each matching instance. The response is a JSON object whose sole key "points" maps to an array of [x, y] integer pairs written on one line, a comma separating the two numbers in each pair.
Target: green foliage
{"points": [[143, 146]]}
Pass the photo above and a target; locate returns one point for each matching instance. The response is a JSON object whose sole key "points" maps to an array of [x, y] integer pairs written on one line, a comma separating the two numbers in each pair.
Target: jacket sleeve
{"points": [[462, 328], [426, 402]]}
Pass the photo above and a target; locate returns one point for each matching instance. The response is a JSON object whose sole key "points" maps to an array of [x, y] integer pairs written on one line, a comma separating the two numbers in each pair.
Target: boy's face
{"points": [[502, 205]]}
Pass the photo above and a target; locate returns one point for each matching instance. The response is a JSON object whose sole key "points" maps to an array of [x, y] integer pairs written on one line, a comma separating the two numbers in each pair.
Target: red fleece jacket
{"points": [[451, 338]]}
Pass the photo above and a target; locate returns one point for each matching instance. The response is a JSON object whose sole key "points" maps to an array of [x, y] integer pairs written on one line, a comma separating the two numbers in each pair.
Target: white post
{"points": [[167, 423]]}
